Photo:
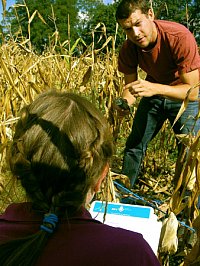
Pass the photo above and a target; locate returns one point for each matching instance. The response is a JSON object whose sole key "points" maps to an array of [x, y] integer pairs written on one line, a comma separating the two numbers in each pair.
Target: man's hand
{"points": [[142, 88]]}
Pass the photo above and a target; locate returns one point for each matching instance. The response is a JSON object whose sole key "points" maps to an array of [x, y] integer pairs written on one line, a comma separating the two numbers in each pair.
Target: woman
{"points": [[60, 153]]}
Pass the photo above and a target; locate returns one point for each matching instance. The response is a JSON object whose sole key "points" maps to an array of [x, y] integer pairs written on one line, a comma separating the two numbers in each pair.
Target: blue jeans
{"points": [[151, 113]]}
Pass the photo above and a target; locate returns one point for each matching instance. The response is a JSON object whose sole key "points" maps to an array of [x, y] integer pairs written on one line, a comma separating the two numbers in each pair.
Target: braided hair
{"points": [[60, 148]]}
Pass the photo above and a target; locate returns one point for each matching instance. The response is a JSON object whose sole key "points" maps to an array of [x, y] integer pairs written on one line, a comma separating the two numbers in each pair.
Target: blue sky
{"points": [[8, 4], [107, 1]]}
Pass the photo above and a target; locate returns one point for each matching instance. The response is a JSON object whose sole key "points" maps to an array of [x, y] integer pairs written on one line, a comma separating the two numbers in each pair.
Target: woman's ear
{"points": [[101, 178]]}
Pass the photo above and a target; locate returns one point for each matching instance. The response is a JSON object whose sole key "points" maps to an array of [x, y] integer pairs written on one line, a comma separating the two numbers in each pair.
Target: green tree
{"points": [[101, 21], [40, 20], [186, 12], [44, 19], [194, 19]]}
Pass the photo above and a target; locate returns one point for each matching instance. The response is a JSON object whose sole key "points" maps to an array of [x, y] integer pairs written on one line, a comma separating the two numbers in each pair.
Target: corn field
{"points": [[163, 183]]}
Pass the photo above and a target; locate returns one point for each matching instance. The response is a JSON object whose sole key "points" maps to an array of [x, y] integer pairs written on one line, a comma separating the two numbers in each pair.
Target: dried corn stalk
{"points": [[187, 179], [193, 258], [107, 192]]}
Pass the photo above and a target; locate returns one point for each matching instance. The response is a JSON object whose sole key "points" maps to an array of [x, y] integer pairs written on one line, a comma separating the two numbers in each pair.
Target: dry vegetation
{"points": [[24, 74]]}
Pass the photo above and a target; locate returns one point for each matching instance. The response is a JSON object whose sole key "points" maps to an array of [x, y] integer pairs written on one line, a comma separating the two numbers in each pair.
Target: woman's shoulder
{"points": [[20, 212]]}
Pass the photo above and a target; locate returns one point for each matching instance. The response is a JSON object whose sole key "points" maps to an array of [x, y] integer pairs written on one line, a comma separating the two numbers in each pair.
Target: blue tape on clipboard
{"points": [[122, 209]]}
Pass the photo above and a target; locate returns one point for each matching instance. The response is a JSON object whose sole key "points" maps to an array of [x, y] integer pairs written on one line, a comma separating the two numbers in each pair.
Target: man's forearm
{"points": [[179, 92]]}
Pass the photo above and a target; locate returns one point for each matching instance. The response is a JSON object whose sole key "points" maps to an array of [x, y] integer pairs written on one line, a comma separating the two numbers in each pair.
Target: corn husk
{"points": [[168, 238]]}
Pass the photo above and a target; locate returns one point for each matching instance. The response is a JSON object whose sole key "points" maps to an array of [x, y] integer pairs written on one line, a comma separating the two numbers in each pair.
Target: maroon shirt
{"points": [[175, 52], [80, 241]]}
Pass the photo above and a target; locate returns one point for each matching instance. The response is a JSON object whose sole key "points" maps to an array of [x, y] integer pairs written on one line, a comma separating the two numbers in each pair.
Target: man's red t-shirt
{"points": [[175, 52]]}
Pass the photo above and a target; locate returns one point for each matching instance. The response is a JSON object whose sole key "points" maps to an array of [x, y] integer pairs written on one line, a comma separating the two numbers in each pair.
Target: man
{"points": [[168, 53]]}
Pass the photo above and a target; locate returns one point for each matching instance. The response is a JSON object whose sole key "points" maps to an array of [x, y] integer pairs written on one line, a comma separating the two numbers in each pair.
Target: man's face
{"points": [[140, 28]]}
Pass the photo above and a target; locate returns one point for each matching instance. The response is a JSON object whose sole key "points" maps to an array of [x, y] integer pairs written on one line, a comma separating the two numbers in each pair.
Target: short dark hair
{"points": [[127, 7]]}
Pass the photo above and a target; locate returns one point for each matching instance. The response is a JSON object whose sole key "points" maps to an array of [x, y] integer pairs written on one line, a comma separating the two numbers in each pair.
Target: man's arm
{"points": [[143, 88], [126, 93], [179, 91]]}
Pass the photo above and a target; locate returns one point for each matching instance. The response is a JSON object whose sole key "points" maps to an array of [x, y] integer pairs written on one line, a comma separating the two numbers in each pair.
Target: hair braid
{"points": [[61, 145]]}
